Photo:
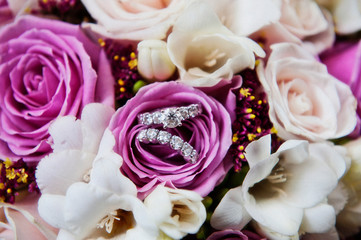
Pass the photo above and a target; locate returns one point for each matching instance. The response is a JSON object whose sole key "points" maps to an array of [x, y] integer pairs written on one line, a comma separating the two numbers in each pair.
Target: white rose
{"points": [[305, 101], [301, 22], [133, 19], [205, 51]]}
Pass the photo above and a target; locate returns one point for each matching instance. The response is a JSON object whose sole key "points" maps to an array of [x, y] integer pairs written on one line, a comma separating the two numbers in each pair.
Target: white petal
{"points": [[56, 172], [275, 215], [309, 183], [272, 235], [106, 169], [66, 133], [244, 17], [95, 118], [293, 152], [159, 204], [51, 209], [81, 197], [319, 219], [258, 150], [331, 235], [230, 212]]}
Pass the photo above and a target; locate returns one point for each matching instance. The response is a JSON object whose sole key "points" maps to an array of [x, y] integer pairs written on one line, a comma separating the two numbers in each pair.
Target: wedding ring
{"points": [[152, 135], [170, 117]]}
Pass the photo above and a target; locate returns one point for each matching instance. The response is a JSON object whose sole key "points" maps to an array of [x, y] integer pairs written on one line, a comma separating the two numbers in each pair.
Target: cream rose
{"points": [[301, 22], [134, 19], [305, 101]]}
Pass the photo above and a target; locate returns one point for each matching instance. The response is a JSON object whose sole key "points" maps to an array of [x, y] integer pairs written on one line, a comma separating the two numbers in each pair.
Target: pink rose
{"points": [[343, 61], [306, 102], [209, 133], [133, 19], [48, 69]]}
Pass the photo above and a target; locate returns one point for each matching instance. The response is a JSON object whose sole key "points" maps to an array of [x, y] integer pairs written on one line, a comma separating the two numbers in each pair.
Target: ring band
{"points": [[170, 117], [152, 135]]}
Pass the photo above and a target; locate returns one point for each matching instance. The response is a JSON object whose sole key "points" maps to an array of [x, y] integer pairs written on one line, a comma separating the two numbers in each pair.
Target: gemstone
{"points": [[193, 157], [176, 142], [152, 134], [158, 117], [172, 118], [164, 137], [184, 112], [193, 110], [186, 149], [142, 135], [146, 119]]}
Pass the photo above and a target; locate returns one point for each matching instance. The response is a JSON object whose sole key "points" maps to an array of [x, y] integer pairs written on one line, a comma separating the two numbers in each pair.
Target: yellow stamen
{"points": [[116, 57], [133, 63], [101, 42], [8, 163], [120, 82], [235, 138], [132, 55], [10, 174], [244, 92], [251, 136]]}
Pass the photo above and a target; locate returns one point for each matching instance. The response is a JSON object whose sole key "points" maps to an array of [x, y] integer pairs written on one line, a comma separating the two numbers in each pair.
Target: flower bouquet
{"points": [[180, 119]]}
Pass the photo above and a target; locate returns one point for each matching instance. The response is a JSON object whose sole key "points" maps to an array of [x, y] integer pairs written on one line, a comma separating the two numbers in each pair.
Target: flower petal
{"points": [[56, 172], [230, 212], [319, 219]]}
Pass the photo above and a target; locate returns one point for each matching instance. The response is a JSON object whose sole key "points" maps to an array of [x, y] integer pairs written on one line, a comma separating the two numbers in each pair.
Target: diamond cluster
{"points": [[152, 135], [170, 117]]}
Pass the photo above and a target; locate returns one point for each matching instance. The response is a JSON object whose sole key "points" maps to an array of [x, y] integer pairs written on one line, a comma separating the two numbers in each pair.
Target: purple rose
{"points": [[148, 165], [344, 62], [48, 69], [233, 235]]}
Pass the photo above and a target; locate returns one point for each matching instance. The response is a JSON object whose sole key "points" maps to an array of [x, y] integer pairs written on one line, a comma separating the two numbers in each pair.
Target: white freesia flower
{"points": [[283, 192], [305, 101], [153, 60], [177, 212], [205, 51], [84, 193], [75, 146]]}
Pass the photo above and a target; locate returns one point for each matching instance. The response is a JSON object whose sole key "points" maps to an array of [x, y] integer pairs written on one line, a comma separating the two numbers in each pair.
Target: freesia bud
{"points": [[154, 63]]}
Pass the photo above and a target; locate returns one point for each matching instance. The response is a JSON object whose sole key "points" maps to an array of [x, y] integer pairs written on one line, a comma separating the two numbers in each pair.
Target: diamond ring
{"points": [[170, 117], [152, 135]]}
